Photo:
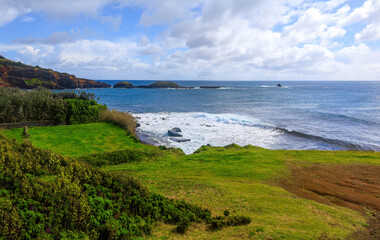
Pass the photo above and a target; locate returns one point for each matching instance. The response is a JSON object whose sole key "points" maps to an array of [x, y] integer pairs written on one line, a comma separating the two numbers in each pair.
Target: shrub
{"points": [[183, 225], [220, 222], [122, 119], [39, 105], [81, 111]]}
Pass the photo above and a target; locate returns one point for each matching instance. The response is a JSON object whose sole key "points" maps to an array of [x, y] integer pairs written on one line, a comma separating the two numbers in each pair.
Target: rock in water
{"points": [[179, 139], [279, 85], [175, 132], [176, 129]]}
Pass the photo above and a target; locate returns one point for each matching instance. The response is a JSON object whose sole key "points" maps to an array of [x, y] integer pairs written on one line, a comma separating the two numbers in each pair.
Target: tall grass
{"points": [[122, 119]]}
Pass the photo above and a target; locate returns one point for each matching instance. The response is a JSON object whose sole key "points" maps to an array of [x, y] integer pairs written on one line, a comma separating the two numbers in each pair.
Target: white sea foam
{"points": [[204, 128]]}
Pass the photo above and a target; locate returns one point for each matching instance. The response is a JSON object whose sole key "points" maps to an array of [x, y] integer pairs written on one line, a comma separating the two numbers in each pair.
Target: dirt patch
{"points": [[352, 186]]}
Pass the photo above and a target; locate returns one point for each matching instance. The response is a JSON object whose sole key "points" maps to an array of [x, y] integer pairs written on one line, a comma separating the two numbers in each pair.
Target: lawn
{"points": [[79, 140], [243, 180]]}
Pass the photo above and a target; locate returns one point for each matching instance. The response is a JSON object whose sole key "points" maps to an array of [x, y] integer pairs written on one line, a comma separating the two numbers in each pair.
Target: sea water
{"points": [[298, 115]]}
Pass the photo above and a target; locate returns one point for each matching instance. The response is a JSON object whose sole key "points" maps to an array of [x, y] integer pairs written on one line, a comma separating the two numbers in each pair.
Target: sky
{"points": [[197, 39]]}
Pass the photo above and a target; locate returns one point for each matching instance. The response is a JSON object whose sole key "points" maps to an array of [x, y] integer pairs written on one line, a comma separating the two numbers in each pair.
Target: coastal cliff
{"points": [[17, 74]]}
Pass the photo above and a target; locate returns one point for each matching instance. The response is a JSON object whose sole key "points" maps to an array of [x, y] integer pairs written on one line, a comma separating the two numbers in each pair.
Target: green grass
{"points": [[240, 179], [37, 82], [79, 140]]}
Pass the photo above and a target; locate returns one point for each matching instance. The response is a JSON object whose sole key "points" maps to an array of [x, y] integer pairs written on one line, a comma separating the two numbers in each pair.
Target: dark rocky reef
{"points": [[124, 84], [17, 74]]}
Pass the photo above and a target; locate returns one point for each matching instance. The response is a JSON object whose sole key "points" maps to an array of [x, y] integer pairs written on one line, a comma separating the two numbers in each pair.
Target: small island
{"points": [[164, 84], [124, 84], [160, 84]]}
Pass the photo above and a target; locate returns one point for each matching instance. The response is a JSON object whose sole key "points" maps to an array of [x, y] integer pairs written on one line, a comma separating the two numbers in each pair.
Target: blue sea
{"points": [[298, 115]]}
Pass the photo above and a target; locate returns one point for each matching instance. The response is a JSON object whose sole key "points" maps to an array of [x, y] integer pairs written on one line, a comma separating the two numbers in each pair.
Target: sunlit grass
{"points": [[240, 179], [79, 140]]}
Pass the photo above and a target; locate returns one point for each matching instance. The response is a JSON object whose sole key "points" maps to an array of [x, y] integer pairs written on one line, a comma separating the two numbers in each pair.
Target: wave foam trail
{"points": [[204, 128]]}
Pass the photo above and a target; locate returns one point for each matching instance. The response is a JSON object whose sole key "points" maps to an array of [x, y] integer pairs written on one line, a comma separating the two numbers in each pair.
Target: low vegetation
{"points": [[241, 180], [45, 195], [122, 119], [43, 105], [81, 139], [244, 180]]}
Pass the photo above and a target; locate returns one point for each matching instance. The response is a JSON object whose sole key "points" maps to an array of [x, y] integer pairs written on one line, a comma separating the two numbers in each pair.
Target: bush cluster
{"points": [[48, 196], [43, 105], [38, 105], [227, 220], [82, 111]]}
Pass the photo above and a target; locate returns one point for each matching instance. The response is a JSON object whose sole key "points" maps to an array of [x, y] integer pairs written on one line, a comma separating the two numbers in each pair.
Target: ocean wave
{"points": [[205, 128], [224, 129], [336, 142], [347, 117]]}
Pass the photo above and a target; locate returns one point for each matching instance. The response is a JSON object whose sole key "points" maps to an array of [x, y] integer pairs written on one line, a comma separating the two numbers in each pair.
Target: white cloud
{"points": [[9, 13], [212, 39], [370, 33]]}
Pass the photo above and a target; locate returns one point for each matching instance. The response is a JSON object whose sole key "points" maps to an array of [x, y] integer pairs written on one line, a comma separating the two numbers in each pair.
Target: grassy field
{"points": [[79, 140], [242, 180]]}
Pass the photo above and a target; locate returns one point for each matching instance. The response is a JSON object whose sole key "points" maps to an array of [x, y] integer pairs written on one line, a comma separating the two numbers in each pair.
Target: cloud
{"points": [[370, 33], [11, 9], [53, 39], [213, 39], [9, 13]]}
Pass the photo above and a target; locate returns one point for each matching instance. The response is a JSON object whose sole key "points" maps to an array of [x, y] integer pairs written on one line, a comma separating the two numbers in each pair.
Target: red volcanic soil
{"points": [[352, 186]]}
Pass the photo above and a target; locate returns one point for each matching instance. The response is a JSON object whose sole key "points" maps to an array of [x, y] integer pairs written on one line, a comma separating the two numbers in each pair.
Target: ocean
{"points": [[298, 115]]}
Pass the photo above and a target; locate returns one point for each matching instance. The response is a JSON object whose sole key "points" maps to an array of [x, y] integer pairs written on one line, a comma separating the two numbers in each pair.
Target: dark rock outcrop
{"points": [[124, 84], [17, 74], [175, 132], [279, 85], [179, 139]]}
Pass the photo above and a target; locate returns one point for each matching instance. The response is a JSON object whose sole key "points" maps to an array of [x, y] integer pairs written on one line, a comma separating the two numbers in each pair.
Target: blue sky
{"points": [[196, 40]]}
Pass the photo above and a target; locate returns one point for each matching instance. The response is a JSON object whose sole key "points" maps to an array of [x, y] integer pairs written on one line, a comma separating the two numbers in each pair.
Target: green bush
{"points": [[43, 105], [82, 111]]}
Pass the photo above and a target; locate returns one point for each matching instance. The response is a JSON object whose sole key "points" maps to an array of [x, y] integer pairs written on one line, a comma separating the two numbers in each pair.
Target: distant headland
{"points": [[17, 74]]}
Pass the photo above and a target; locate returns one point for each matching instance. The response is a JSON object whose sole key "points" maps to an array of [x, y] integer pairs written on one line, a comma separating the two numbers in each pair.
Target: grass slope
{"points": [[79, 140], [239, 179]]}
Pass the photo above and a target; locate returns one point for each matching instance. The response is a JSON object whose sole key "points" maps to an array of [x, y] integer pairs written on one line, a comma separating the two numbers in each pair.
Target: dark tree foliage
{"points": [[43, 105]]}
